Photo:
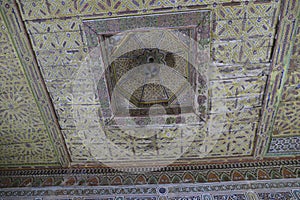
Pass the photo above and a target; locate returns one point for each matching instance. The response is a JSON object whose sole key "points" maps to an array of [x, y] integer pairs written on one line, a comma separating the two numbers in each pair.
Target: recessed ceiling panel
{"points": [[152, 85]]}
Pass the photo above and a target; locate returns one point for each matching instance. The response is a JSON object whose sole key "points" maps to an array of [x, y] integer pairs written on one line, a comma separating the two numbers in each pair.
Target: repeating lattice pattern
{"points": [[284, 145], [23, 134]]}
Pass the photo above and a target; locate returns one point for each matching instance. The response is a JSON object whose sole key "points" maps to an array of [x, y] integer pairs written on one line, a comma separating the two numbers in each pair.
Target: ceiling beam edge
{"points": [[285, 38]]}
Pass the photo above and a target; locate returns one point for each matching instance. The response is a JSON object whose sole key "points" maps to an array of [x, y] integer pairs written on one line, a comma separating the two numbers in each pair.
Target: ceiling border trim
{"points": [[187, 174], [103, 170], [288, 20]]}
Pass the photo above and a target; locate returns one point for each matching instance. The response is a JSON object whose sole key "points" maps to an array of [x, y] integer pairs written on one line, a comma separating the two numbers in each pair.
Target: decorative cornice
{"points": [[285, 188], [103, 170]]}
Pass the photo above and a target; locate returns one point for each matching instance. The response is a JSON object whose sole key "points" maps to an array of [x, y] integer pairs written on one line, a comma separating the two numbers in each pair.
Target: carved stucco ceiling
{"points": [[245, 101]]}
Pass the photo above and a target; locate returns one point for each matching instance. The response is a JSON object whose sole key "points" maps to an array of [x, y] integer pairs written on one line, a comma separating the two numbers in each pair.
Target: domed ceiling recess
{"points": [[149, 99]]}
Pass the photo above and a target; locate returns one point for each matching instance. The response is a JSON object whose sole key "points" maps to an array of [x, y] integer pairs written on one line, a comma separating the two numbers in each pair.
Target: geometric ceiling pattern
{"points": [[242, 41], [72, 117], [28, 133]]}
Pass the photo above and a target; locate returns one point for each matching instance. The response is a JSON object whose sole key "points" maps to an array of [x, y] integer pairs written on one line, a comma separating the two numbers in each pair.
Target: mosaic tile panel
{"points": [[237, 87], [17, 135], [235, 104], [229, 143], [287, 119], [243, 29], [34, 151], [223, 71], [230, 196], [59, 72], [247, 115], [245, 11], [296, 193], [285, 145], [61, 57], [53, 25], [252, 50], [275, 195], [291, 93], [57, 40]]}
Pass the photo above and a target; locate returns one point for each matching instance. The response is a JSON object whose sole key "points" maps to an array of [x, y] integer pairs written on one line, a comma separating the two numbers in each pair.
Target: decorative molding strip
{"points": [[278, 189], [279, 69], [102, 170], [100, 177], [32, 10]]}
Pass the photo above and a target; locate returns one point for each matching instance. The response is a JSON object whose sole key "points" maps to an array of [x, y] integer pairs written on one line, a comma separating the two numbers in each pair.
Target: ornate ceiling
{"points": [[94, 93]]}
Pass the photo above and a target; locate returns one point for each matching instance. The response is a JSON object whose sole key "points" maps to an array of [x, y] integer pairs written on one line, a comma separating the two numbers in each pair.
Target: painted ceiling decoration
{"points": [[149, 99]]}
